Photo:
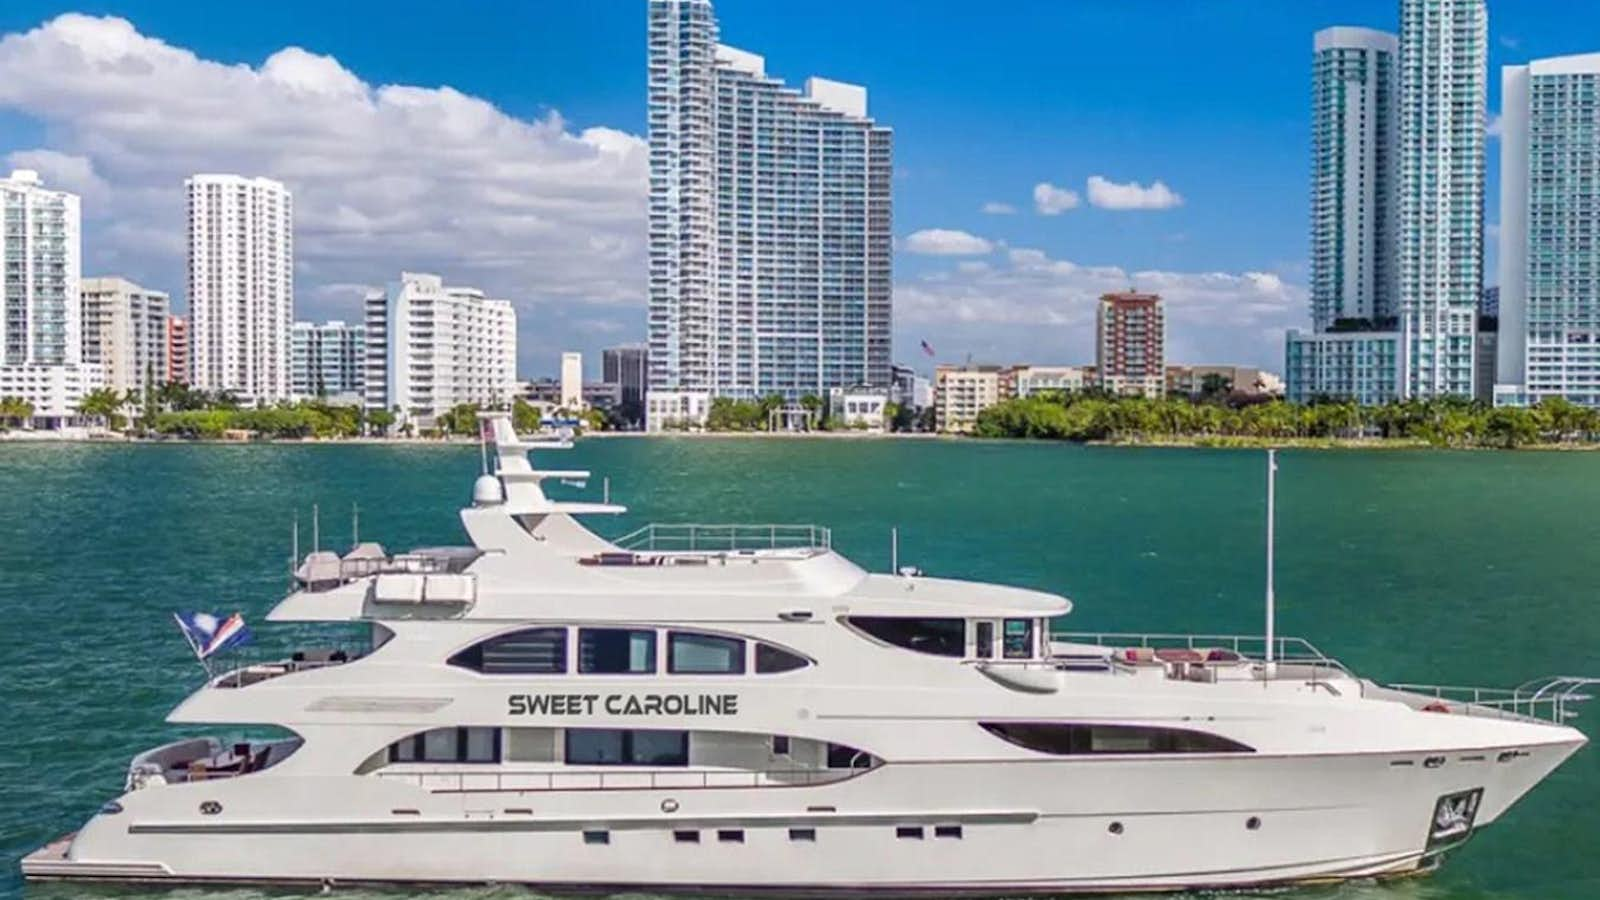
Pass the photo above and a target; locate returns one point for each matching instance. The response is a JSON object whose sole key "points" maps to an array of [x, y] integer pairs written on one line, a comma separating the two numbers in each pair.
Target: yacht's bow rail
{"points": [[727, 538], [1548, 699], [1291, 653]]}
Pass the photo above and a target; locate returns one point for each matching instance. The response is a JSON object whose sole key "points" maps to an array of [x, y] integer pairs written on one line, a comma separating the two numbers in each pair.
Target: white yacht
{"points": [[741, 709]]}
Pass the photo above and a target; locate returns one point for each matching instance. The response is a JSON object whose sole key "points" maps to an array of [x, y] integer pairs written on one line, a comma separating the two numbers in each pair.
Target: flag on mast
{"points": [[928, 348], [208, 634]]}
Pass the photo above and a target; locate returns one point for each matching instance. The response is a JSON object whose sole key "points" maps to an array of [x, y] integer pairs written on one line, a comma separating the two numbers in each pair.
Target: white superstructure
{"points": [[724, 708], [241, 285], [431, 347], [41, 328], [125, 333]]}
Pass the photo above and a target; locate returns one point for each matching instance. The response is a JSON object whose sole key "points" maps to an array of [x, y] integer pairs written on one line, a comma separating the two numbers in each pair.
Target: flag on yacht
{"points": [[208, 634]]}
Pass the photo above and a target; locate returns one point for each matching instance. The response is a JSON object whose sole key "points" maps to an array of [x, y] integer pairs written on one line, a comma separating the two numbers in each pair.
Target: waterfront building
{"points": [[1443, 90], [1549, 292], [1024, 381], [431, 347], [859, 408], [240, 285], [960, 393], [328, 361], [125, 333], [572, 381], [676, 410], [908, 389], [177, 349], [1191, 381], [41, 336], [628, 367], [769, 223], [1130, 344], [601, 395], [1363, 366]]}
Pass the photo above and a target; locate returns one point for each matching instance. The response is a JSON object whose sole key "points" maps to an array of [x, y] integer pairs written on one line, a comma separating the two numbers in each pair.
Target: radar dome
{"points": [[486, 491]]}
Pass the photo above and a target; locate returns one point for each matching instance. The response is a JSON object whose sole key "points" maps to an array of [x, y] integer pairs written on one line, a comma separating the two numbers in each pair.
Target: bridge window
{"points": [[531, 651], [455, 745], [626, 747], [616, 651], [939, 637], [771, 660], [1018, 639], [1076, 739], [690, 653]]}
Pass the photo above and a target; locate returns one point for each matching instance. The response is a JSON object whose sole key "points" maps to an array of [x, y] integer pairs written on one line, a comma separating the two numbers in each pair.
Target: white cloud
{"points": [[385, 177], [1107, 194], [946, 242], [1035, 308], [1049, 200], [996, 208]]}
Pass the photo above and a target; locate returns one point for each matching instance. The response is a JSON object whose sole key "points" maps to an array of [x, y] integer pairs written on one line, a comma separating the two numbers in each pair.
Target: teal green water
{"points": [[1468, 568]]}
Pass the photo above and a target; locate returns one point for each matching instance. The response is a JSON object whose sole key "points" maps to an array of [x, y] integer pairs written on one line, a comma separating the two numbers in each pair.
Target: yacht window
{"points": [[481, 744], [940, 637], [441, 745], [616, 651], [704, 654], [843, 756], [621, 747], [531, 651], [468, 745], [771, 660], [1073, 739], [983, 640], [1019, 639]]}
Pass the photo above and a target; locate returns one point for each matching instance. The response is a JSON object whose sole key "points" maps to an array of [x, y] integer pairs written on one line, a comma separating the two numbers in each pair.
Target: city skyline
{"points": [[563, 235]]}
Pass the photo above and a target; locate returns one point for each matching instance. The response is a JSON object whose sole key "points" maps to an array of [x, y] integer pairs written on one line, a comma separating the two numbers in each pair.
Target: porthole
{"points": [[210, 808], [669, 805], [1114, 828], [1253, 823], [597, 837], [686, 837]]}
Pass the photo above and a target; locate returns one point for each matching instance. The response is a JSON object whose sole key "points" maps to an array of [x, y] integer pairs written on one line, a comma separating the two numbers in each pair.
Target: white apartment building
{"points": [[1549, 299], [859, 408], [431, 347], [1024, 381], [676, 410], [960, 393], [125, 333], [41, 337], [328, 361], [1443, 90], [241, 285], [770, 244], [572, 381]]}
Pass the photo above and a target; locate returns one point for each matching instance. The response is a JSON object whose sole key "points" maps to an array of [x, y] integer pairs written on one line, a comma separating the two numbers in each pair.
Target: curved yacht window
{"points": [[771, 660], [530, 651], [692, 653], [940, 637], [616, 651], [1079, 739], [465, 745]]}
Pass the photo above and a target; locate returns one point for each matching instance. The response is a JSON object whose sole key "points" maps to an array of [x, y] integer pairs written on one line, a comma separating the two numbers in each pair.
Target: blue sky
{"points": [[987, 103]]}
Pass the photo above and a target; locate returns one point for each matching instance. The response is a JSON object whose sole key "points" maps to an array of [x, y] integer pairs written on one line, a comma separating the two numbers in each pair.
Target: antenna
{"points": [[894, 550], [294, 557], [316, 530], [1272, 490], [355, 525]]}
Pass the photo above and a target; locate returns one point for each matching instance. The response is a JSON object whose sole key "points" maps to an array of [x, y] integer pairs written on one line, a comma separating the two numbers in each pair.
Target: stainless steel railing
{"points": [[698, 538], [511, 782], [1548, 699]]}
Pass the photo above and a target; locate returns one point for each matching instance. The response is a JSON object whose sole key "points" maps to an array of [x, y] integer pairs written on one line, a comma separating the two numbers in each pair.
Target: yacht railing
{"points": [[698, 538], [255, 665], [1250, 647], [512, 782], [1549, 699]]}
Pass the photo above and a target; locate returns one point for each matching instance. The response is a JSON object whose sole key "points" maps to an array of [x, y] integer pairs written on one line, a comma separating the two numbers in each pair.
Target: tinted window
{"points": [[770, 660], [940, 637], [472, 745], [616, 651], [619, 747], [844, 756], [704, 654], [1019, 638], [532, 651], [983, 640], [1072, 739]]}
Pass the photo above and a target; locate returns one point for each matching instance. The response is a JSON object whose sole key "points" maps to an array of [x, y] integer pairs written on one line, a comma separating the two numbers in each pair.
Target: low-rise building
{"points": [[1363, 366], [1024, 381], [910, 390], [1194, 381], [960, 393], [859, 408], [676, 410]]}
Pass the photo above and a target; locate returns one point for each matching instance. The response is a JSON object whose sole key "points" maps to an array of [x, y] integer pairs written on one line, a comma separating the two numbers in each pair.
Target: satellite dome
{"points": [[486, 491]]}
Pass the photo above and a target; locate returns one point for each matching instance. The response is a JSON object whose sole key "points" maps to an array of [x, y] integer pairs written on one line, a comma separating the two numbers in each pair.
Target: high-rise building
{"points": [[572, 380], [770, 245], [327, 360], [1130, 344], [41, 334], [125, 333], [431, 347], [241, 285], [1443, 90], [178, 349], [1549, 298], [627, 367]]}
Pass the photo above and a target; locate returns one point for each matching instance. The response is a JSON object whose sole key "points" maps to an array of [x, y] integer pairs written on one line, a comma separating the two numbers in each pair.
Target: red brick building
{"points": [[1130, 348]]}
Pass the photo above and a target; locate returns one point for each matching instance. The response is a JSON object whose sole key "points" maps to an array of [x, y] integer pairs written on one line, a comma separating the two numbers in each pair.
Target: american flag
{"points": [[927, 348]]}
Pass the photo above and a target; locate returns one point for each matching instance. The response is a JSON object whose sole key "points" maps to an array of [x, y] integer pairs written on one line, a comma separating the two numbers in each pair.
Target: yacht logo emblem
{"points": [[623, 704], [1453, 817]]}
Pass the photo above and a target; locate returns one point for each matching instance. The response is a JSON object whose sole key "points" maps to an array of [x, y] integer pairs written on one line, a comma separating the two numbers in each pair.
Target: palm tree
{"points": [[104, 404], [15, 410]]}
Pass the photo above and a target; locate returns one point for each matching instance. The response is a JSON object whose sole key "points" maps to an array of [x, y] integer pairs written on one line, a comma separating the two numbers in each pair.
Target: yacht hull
{"points": [[1057, 826]]}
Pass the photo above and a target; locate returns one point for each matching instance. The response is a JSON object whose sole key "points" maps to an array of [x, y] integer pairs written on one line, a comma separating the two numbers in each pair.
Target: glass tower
{"points": [[770, 247]]}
